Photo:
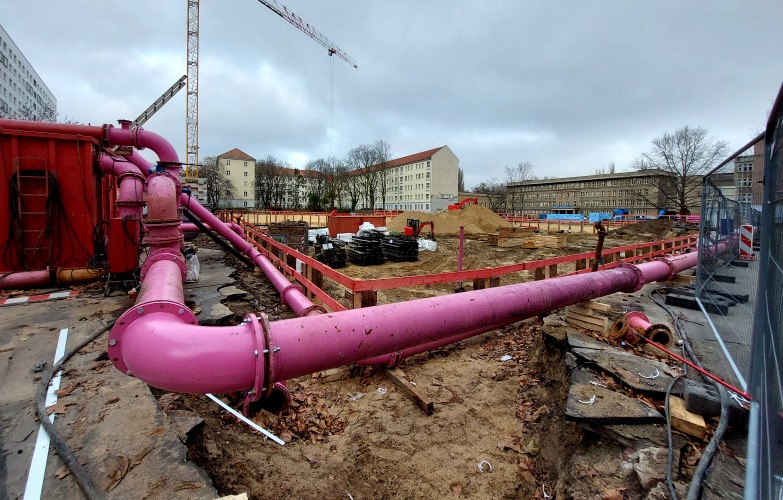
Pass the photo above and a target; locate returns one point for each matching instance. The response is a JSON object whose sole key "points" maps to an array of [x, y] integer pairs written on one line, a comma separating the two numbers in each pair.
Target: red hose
{"points": [[698, 369]]}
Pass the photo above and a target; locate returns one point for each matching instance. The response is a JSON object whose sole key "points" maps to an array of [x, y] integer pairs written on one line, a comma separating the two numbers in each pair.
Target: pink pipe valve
{"points": [[130, 182], [639, 325]]}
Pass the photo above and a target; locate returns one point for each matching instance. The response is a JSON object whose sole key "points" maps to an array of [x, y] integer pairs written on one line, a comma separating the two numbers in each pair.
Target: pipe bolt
{"points": [[181, 311], [112, 342], [140, 311]]}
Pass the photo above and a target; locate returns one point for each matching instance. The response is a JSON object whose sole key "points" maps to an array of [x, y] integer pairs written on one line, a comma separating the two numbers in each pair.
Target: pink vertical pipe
{"points": [[130, 183]]}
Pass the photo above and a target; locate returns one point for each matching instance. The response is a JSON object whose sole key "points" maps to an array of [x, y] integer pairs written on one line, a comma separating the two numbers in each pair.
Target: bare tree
{"points": [[518, 176], [605, 170], [460, 180], [295, 189], [682, 158], [495, 191], [218, 185], [272, 182], [41, 112], [382, 153], [360, 159]]}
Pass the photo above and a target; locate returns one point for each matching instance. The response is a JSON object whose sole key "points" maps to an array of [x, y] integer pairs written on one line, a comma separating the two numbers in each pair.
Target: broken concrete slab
{"points": [[186, 422], [635, 436], [605, 405], [631, 369], [650, 465], [578, 339], [215, 314], [232, 292]]}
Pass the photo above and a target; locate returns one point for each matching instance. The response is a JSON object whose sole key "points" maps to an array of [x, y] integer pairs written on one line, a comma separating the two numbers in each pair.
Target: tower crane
{"points": [[191, 113]]}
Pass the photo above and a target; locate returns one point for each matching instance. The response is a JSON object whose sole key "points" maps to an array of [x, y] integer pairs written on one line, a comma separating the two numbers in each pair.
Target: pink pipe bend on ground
{"points": [[25, 279]]}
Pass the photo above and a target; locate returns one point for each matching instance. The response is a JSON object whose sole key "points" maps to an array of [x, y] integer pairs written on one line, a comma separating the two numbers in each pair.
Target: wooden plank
{"points": [[593, 320], [401, 380], [582, 324], [691, 424], [512, 242], [515, 232], [595, 305], [492, 240], [583, 311]]}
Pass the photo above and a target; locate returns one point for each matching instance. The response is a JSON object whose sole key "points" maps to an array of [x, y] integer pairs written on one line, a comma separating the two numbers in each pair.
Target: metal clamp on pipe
{"points": [[165, 254]]}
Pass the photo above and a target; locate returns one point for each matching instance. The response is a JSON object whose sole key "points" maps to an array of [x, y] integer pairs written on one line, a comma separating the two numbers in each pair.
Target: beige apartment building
{"points": [[239, 168], [425, 181], [636, 191]]}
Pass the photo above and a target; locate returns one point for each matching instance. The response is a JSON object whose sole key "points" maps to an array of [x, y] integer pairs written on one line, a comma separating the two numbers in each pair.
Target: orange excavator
{"points": [[463, 203], [414, 228]]}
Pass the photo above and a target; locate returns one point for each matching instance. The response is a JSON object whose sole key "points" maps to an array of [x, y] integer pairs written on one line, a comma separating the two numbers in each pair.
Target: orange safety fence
{"points": [[280, 254]]}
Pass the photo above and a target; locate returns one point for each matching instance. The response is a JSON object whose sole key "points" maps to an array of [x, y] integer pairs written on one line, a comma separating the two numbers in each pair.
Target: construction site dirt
{"points": [[498, 429]]}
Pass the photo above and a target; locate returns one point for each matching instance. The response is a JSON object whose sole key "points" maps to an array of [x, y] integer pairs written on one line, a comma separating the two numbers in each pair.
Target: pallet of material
{"points": [[513, 242], [587, 318], [551, 241], [492, 240], [515, 232]]}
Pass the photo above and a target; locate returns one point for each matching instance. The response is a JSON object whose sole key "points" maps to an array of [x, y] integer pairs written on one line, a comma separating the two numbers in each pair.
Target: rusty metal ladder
{"points": [[33, 190]]}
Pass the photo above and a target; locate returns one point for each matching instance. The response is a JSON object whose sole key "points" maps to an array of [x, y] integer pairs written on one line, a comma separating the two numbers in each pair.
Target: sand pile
{"points": [[475, 220]]}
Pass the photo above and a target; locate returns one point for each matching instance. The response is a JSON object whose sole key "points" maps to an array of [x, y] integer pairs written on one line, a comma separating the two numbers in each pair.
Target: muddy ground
{"points": [[497, 431]]}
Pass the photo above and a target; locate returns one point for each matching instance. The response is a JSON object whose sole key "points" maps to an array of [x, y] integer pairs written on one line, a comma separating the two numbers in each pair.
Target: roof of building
{"points": [[424, 155], [236, 154], [596, 177]]}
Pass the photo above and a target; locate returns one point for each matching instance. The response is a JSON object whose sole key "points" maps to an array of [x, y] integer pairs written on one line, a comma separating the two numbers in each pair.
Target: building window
{"points": [[244, 193], [245, 174], [245, 163], [228, 172], [244, 203]]}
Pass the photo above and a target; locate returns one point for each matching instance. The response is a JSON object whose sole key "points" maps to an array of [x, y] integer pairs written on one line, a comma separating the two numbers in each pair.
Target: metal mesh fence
{"points": [[764, 477], [727, 280]]}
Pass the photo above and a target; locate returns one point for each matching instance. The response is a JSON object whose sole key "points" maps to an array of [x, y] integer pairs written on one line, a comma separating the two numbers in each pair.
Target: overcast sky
{"points": [[570, 86]]}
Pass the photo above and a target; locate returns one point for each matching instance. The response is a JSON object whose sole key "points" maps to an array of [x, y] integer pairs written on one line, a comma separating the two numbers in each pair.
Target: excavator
{"points": [[414, 228], [463, 203]]}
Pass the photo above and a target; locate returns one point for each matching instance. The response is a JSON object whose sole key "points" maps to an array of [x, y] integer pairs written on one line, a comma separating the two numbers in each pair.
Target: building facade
{"points": [[239, 168], [748, 175], [425, 181], [23, 94], [640, 192]]}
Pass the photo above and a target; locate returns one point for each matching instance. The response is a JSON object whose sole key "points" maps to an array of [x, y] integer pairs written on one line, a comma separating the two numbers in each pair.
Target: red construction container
{"points": [[52, 194], [350, 223]]}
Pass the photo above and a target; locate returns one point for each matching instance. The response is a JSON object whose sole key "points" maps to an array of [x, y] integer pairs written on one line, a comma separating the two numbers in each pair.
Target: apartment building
{"points": [[239, 168], [425, 181], [23, 94], [638, 191]]}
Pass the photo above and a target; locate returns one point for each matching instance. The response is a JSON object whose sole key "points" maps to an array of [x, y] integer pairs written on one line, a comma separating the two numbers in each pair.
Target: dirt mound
{"points": [[475, 220]]}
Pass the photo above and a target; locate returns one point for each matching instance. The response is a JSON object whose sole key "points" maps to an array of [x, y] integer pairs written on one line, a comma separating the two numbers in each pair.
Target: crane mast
{"points": [[191, 112]]}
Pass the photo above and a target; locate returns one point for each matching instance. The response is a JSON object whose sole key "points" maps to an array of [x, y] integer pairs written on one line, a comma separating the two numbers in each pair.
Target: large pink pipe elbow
{"points": [[141, 139]]}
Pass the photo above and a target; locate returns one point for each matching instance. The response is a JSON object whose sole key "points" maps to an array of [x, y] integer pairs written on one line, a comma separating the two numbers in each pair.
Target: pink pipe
{"points": [[141, 139], [342, 338], [24, 279], [290, 294], [190, 227], [130, 181]]}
